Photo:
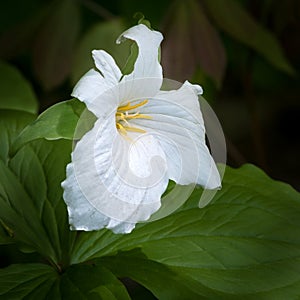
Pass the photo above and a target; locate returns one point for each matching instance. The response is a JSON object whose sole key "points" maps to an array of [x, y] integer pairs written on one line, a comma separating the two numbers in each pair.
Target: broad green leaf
{"points": [[9, 131], [232, 18], [48, 161], [163, 281], [15, 91], [19, 213], [31, 195], [102, 36], [54, 44], [91, 282], [26, 281], [245, 243], [57, 122]]}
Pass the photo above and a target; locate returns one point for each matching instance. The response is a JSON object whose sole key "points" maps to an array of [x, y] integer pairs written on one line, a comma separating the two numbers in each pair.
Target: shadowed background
{"points": [[245, 54]]}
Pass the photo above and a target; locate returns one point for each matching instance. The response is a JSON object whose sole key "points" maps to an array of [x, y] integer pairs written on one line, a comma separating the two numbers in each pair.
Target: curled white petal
{"points": [[94, 84], [89, 87], [146, 64]]}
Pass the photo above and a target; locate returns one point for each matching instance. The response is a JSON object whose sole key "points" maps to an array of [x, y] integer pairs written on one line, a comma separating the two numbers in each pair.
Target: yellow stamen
{"points": [[128, 106], [134, 129], [123, 116], [121, 128], [138, 116]]}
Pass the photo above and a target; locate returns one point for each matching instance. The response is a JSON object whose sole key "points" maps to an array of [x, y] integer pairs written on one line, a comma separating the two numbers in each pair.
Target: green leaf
{"points": [[9, 131], [244, 244], [31, 206], [232, 18], [40, 281], [26, 281], [54, 44], [60, 121], [11, 124], [163, 281], [102, 36], [91, 282], [15, 91]]}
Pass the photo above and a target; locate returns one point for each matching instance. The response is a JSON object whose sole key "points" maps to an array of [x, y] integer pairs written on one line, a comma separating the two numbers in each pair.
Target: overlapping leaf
{"points": [[30, 192], [26, 281], [246, 243], [40, 281]]}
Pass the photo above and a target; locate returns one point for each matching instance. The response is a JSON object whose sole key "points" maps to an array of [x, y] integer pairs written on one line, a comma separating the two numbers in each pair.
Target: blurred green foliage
{"points": [[244, 53]]}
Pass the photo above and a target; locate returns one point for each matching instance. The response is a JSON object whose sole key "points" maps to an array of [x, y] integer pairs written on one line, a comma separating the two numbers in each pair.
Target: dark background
{"points": [[244, 53]]}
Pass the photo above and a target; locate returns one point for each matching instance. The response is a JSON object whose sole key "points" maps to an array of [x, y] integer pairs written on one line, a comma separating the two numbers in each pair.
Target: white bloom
{"points": [[142, 138]]}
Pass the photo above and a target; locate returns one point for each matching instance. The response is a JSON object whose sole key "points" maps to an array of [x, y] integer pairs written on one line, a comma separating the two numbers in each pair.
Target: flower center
{"points": [[124, 114]]}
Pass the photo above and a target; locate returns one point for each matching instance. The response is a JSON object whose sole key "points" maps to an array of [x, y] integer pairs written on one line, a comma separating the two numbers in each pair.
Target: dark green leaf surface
{"points": [[19, 213], [39, 281], [245, 243], [6, 234], [233, 19], [15, 91], [9, 131], [31, 195], [92, 282], [162, 280], [26, 281]]}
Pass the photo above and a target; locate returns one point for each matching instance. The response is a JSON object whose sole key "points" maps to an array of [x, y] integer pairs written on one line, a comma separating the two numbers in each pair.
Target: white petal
{"points": [[113, 191], [89, 87], [146, 64], [178, 124], [82, 215], [196, 87], [186, 99], [107, 66], [93, 89]]}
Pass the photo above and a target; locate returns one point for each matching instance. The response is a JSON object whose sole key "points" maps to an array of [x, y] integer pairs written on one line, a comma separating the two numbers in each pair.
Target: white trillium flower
{"points": [[143, 137]]}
